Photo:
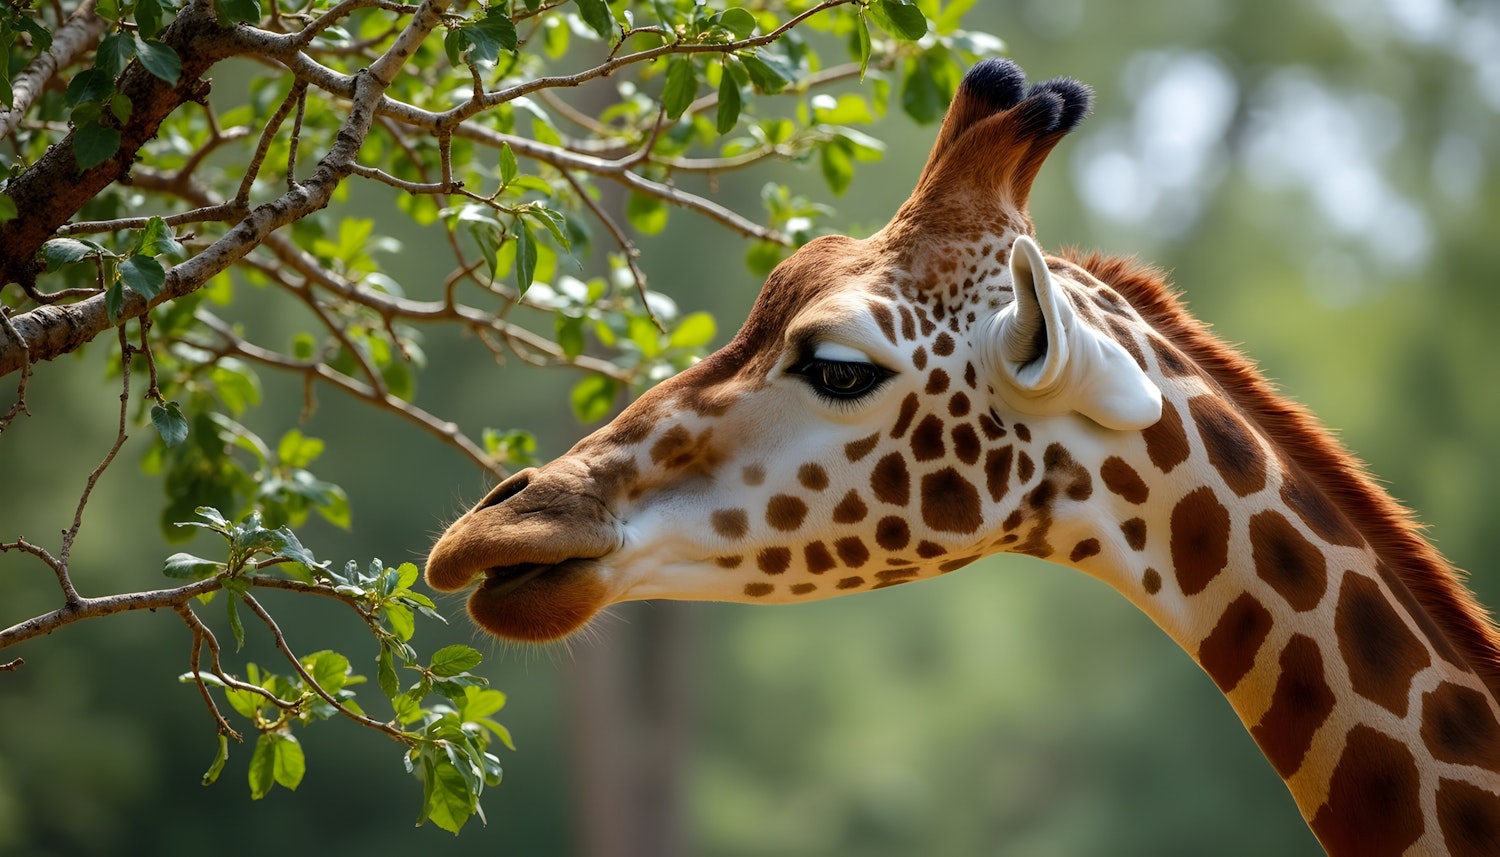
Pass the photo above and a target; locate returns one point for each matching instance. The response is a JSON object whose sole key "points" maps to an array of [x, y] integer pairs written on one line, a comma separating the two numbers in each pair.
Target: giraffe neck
{"points": [[1383, 732]]}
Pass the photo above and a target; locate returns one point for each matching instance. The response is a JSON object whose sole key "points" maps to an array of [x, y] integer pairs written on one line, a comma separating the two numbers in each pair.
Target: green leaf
{"points": [[288, 765], [407, 574], [900, 18], [158, 58], [569, 334], [694, 331], [862, 45], [682, 85], [148, 14], [169, 423], [236, 626], [114, 301], [480, 702], [90, 86], [157, 239], [593, 398], [64, 251], [837, 167], [729, 103], [93, 144], [451, 800], [385, 673], [328, 668], [769, 73], [262, 773], [455, 659], [920, 96], [399, 617], [187, 566], [491, 34], [144, 275], [298, 450], [739, 22], [596, 14], [648, 214], [238, 11], [114, 53], [222, 756], [509, 169], [244, 701], [525, 255]]}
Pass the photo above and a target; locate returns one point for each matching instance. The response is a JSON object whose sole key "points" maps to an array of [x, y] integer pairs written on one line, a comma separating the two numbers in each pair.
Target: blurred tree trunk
{"points": [[631, 721]]}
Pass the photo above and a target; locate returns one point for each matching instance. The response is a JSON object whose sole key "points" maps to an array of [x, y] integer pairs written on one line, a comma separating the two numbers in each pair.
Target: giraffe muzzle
{"points": [[532, 544]]}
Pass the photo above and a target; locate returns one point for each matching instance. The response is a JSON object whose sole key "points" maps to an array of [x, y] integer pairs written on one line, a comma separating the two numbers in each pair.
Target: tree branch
{"points": [[74, 38]]}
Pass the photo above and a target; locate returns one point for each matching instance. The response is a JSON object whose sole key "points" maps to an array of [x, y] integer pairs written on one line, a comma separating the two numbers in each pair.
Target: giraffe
{"points": [[896, 407]]}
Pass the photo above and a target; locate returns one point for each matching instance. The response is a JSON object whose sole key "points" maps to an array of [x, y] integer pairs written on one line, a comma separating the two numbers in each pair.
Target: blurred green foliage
{"points": [[1321, 179]]}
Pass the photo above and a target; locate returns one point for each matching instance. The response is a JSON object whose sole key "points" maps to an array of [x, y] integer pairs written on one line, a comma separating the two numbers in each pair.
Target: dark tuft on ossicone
{"points": [[1000, 82], [1076, 99]]}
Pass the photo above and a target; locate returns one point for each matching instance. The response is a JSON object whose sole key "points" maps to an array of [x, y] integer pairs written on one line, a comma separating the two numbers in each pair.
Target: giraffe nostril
{"points": [[507, 489]]}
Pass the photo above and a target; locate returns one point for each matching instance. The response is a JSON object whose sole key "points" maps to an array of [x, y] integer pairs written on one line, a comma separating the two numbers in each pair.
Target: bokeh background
{"points": [[1322, 177]]}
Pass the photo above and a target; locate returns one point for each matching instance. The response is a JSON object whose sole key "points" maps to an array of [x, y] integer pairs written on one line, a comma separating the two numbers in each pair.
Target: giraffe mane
{"points": [[1390, 528]]}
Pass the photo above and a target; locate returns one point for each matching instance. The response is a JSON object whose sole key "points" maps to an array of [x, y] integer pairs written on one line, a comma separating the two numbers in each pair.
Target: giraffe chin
{"points": [[534, 603]]}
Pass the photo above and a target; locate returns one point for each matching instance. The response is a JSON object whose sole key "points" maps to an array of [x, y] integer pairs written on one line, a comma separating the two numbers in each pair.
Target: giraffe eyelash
{"points": [[840, 382]]}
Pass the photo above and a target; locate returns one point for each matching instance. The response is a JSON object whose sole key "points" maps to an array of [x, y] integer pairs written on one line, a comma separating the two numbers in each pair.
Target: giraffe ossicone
{"points": [[896, 407]]}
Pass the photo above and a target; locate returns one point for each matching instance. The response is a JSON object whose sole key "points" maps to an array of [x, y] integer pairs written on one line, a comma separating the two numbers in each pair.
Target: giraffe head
{"points": [[892, 409]]}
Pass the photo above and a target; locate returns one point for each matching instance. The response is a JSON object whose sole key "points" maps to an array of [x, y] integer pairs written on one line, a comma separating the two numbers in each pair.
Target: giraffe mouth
{"points": [[502, 580]]}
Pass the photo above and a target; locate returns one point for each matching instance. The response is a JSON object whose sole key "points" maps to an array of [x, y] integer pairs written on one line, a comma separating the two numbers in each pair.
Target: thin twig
{"points": [[296, 142], [20, 405], [200, 635], [627, 247], [410, 187], [12, 666], [291, 656], [227, 212]]}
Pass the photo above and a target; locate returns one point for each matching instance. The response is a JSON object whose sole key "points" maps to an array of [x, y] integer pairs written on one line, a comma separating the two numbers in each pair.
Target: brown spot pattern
{"points": [[997, 472], [937, 382], [759, 590], [1084, 549], [753, 474], [892, 533], [854, 450], [1424, 620], [1300, 705], [890, 481], [1151, 581], [803, 588], [1459, 727], [785, 512], [1380, 652], [1059, 462], [850, 582], [991, 426], [674, 448], [1288, 561], [1200, 540], [965, 443], [905, 416], [956, 564], [1025, 468], [728, 561], [1469, 818], [1023, 432], [1166, 441], [1134, 531], [958, 405], [927, 439], [1374, 808], [774, 560], [943, 345], [1229, 650], [852, 551], [812, 476], [818, 558], [1122, 479], [850, 510], [929, 550], [1232, 449], [730, 523], [950, 503]]}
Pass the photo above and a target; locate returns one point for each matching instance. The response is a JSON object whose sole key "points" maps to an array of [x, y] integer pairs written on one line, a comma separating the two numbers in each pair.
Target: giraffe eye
{"points": [[841, 380]]}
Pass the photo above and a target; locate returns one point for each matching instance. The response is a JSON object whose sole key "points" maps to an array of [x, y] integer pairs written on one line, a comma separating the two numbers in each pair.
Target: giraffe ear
{"points": [[1046, 361]]}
